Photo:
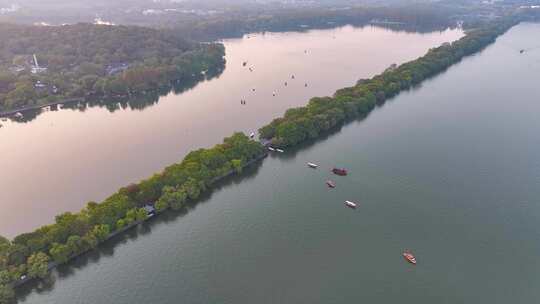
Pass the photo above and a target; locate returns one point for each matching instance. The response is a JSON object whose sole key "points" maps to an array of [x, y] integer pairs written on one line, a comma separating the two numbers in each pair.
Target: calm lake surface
{"points": [[63, 159], [450, 170]]}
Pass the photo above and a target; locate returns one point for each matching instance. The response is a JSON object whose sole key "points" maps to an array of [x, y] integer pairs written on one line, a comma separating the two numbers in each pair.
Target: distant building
{"points": [[150, 210], [36, 69], [39, 85]]}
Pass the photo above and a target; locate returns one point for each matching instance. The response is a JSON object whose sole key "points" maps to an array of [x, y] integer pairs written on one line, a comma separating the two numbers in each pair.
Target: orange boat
{"points": [[409, 257]]}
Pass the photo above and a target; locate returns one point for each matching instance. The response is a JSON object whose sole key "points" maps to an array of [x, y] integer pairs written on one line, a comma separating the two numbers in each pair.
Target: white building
{"points": [[36, 69]]}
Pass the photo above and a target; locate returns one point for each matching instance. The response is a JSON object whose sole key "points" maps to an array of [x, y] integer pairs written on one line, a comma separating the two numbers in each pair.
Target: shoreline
{"points": [[53, 264], [9, 113], [486, 37]]}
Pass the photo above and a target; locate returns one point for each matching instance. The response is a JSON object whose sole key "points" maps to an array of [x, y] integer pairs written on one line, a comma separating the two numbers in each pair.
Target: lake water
{"points": [[61, 160], [450, 170]]}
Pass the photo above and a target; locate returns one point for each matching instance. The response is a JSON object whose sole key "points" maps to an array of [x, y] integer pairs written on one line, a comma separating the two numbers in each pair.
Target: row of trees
{"points": [[86, 59], [73, 233], [322, 114], [414, 17]]}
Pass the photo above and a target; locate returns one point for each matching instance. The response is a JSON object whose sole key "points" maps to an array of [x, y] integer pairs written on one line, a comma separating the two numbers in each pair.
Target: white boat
{"points": [[350, 204], [271, 149], [312, 165], [280, 151], [252, 135]]}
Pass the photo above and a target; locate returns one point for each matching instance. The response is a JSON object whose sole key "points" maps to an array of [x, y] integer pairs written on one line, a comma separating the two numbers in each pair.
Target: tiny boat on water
{"points": [[280, 151], [312, 165], [330, 184], [339, 171], [409, 257], [271, 149], [350, 204]]}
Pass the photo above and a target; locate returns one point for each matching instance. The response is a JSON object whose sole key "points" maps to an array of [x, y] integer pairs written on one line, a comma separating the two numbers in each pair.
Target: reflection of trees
{"points": [[133, 102]]}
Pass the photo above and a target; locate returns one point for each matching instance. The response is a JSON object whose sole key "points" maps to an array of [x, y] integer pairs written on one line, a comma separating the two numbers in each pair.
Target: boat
{"points": [[280, 151], [244, 63], [409, 257], [350, 204], [330, 184], [340, 171], [312, 165], [252, 135], [271, 149], [521, 51]]}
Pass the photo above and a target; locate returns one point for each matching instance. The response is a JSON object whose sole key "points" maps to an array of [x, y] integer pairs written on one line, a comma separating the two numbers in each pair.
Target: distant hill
{"points": [[85, 59]]}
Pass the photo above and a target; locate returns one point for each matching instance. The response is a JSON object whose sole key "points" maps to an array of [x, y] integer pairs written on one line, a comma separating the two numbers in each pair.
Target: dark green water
{"points": [[450, 170]]}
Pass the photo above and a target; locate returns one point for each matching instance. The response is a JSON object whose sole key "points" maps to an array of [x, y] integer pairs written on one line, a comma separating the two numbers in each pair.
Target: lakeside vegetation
{"points": [[81, 60], [324, 113], [417, 18], [29, 254], [220, 20]]}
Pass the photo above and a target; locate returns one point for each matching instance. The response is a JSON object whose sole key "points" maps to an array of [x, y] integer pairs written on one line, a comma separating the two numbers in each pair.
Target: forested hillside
{"points": [[84, 59]]}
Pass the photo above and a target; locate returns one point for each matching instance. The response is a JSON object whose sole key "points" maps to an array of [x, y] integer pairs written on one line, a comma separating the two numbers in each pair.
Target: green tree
{"points": [[89, 81], [4, 244], [7, 294], [162, 204], [170, 197], [192, 188], [141, 214], [75, 244], [24, 93], [17, 254], [38, 265], [131, 216], [237, 164], [90, 240], [121, 223], [5, 277], [60, 252], [101, 232], [6, 80]]}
